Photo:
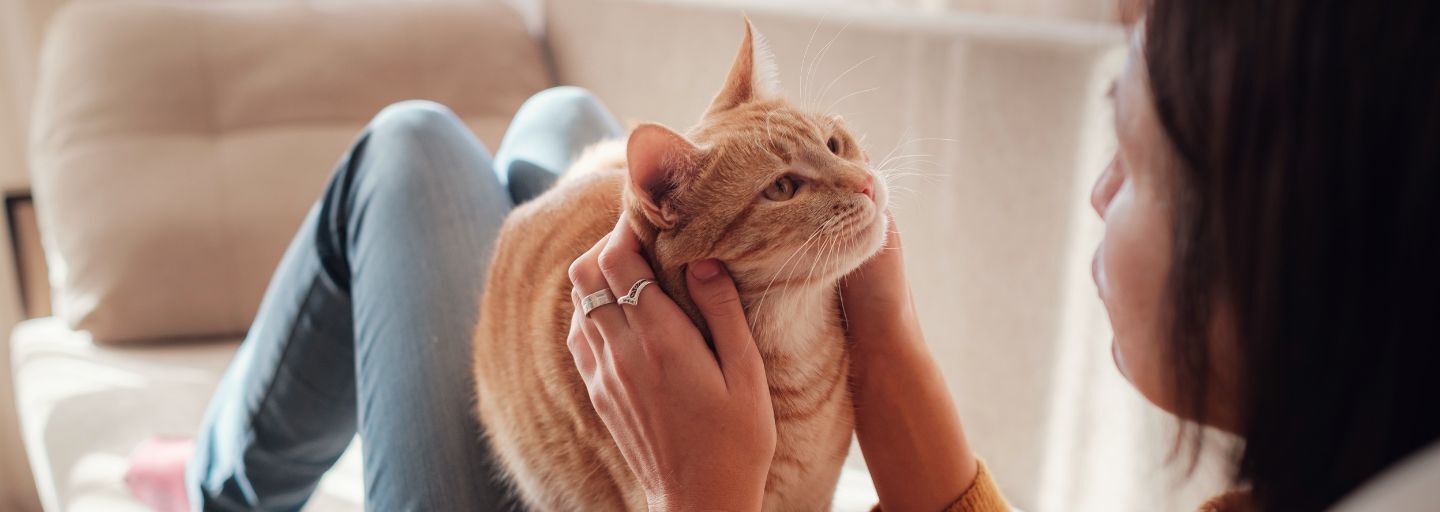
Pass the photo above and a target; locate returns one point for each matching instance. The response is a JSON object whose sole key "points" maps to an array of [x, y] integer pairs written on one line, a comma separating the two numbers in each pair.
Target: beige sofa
{"points": [[175, 145]]}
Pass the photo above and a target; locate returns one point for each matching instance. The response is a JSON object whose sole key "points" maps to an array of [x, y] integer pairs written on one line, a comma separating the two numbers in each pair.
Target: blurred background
{"points": [[157, 155]]}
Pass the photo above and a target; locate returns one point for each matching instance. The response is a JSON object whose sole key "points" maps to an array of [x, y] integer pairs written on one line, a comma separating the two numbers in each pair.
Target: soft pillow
{"points": [[176, 145]]}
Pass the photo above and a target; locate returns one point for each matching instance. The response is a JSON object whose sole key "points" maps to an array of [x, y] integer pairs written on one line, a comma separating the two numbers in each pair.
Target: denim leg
{"points": [[367, 325], [547, 133]]}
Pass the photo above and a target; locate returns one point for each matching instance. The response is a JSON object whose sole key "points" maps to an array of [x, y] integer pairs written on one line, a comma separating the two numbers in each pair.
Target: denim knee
{"points": [[412, 121], [569, 98], [415, 133]]}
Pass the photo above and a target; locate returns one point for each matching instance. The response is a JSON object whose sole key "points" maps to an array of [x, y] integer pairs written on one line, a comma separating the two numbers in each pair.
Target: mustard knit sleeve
{"points": [[982, 496]]}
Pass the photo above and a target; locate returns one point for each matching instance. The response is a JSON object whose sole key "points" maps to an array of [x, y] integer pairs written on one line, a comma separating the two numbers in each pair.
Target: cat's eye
{"points": [[782, 189], [833, 144]]}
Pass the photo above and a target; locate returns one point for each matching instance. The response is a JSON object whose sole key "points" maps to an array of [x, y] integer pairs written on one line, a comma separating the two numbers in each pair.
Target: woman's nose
{"points": [[1105, 188]]}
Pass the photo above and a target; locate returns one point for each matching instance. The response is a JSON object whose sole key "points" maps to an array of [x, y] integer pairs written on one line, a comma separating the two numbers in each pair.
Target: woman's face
{"points": [[1132, 263]]}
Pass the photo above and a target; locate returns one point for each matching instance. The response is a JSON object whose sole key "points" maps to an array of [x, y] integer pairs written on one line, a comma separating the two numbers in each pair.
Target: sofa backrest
{"points": [[176, 145]]}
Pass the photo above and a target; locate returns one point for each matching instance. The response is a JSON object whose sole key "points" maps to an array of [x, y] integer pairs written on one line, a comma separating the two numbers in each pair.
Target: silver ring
{"points": [[595, 300], [633, 298]]}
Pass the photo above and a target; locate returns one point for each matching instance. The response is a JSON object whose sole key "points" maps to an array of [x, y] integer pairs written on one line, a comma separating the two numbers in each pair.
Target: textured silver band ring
{"points": [[633, 298], [595, 300]]}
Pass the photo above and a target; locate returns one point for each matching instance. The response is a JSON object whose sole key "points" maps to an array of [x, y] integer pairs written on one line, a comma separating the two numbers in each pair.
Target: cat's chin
{"points": [[863, 245], [870, 240]]}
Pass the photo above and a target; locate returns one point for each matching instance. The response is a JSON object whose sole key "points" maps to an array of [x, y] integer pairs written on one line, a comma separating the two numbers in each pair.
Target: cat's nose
{"points": [[866, 186]]}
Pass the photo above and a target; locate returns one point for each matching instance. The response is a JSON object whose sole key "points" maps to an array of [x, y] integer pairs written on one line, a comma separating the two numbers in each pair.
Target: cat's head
{"points": [[780, 194]]}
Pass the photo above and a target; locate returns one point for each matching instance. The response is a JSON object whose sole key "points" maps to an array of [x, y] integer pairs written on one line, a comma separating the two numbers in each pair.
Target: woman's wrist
{"points": [[716, 498], [897, 334], [908, 427]]}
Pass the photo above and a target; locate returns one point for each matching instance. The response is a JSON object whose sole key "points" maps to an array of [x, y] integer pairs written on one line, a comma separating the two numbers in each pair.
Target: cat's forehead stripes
{"points": [[771, 122]]}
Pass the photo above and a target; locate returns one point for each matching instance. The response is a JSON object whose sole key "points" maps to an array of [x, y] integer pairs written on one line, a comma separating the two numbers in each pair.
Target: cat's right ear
{"points": [[657, 158]]}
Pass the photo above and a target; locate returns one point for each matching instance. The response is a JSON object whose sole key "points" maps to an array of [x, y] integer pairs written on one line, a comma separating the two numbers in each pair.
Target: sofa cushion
{"points": [[84, 407], [176, 145]]}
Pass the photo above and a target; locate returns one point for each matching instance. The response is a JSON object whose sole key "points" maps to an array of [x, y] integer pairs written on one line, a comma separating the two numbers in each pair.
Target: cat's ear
{"points": [[657, 158], [752, 76]]}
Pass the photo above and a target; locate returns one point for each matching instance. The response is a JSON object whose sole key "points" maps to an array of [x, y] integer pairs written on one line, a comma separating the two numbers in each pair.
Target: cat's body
{"points": [[534, 405], [784, 197]]}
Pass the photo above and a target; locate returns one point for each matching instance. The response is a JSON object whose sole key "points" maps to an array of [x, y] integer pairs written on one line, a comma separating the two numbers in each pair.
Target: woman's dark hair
{"points": [[1307, 140]]}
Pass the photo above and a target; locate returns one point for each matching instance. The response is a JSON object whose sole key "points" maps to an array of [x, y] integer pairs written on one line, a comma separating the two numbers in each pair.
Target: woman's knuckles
{"points": [[578, 271], [613, 262]]}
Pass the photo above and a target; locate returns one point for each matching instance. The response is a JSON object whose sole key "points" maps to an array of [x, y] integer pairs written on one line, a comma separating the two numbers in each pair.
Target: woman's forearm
{"points": [[907, 424]]}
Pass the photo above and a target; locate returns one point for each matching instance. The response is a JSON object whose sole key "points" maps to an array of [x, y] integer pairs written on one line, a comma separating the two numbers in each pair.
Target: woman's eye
{"points": [[833, 144], [782, 190]]}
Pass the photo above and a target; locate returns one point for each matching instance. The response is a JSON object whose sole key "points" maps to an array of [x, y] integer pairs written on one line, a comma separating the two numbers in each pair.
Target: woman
{"points": [[1268, 268]]}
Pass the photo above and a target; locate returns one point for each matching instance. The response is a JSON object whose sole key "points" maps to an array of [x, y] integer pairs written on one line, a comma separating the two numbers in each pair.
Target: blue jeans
{"points": [[367, 324]]}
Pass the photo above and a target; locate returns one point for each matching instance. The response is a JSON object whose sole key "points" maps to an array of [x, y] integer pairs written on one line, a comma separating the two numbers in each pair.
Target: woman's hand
{"points": [[906, 422], [698, 431], [879, 309]]}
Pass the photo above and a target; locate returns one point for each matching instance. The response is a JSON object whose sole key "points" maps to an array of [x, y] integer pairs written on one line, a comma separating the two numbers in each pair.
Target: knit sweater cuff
{"points": [[982, 496]]}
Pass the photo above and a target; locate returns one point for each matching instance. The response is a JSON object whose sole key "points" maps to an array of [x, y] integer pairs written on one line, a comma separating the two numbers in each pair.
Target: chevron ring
{"points": [[633, 298]]}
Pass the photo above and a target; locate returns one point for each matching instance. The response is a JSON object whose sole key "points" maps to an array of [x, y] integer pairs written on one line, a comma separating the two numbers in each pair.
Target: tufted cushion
{"points": [[176, 145]]}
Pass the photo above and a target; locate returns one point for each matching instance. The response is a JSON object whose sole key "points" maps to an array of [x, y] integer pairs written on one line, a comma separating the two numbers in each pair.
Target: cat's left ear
{"points": [[752, 75], [657, 158]]}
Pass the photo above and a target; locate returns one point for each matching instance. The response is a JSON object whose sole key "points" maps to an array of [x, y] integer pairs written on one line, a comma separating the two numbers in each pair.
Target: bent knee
{"points": [[569, 98], [419, 143], [416, 119]]}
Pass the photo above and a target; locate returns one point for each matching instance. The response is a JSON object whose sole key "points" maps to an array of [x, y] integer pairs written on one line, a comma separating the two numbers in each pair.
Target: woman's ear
{"points": [[657, 157], [752, 75]]}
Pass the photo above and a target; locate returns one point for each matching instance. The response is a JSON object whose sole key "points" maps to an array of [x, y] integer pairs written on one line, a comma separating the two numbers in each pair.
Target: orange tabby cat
{"points": [[784, 197]]}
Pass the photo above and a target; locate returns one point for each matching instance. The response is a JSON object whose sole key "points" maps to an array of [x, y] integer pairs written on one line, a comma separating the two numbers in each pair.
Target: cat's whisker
{"points": [[894, 174], [929, 168], [901, 158], [913, 167], [848, 96], [805, 56], [906, 142], [930, 139], [820, 56], [825, 249], [909, 156], [886, 159], [826, 91], [905, 192], [773, 277], [910, 162]]}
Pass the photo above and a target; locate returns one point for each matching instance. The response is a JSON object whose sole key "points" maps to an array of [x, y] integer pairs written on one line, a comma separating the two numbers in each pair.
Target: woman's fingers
{"points": [[580, 347], [623, 265], [714, 293], [587, 279]]}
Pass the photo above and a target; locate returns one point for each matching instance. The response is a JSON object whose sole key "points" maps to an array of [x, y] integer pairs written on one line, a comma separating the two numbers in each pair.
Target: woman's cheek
{"points": [[1132, 265]]}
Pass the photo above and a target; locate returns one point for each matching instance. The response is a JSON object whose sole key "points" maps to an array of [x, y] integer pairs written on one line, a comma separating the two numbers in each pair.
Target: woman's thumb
{"points": [[714, 293]]}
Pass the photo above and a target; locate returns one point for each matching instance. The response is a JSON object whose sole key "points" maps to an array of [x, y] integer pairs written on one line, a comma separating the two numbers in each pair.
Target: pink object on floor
{"points": [[157, 473]]}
